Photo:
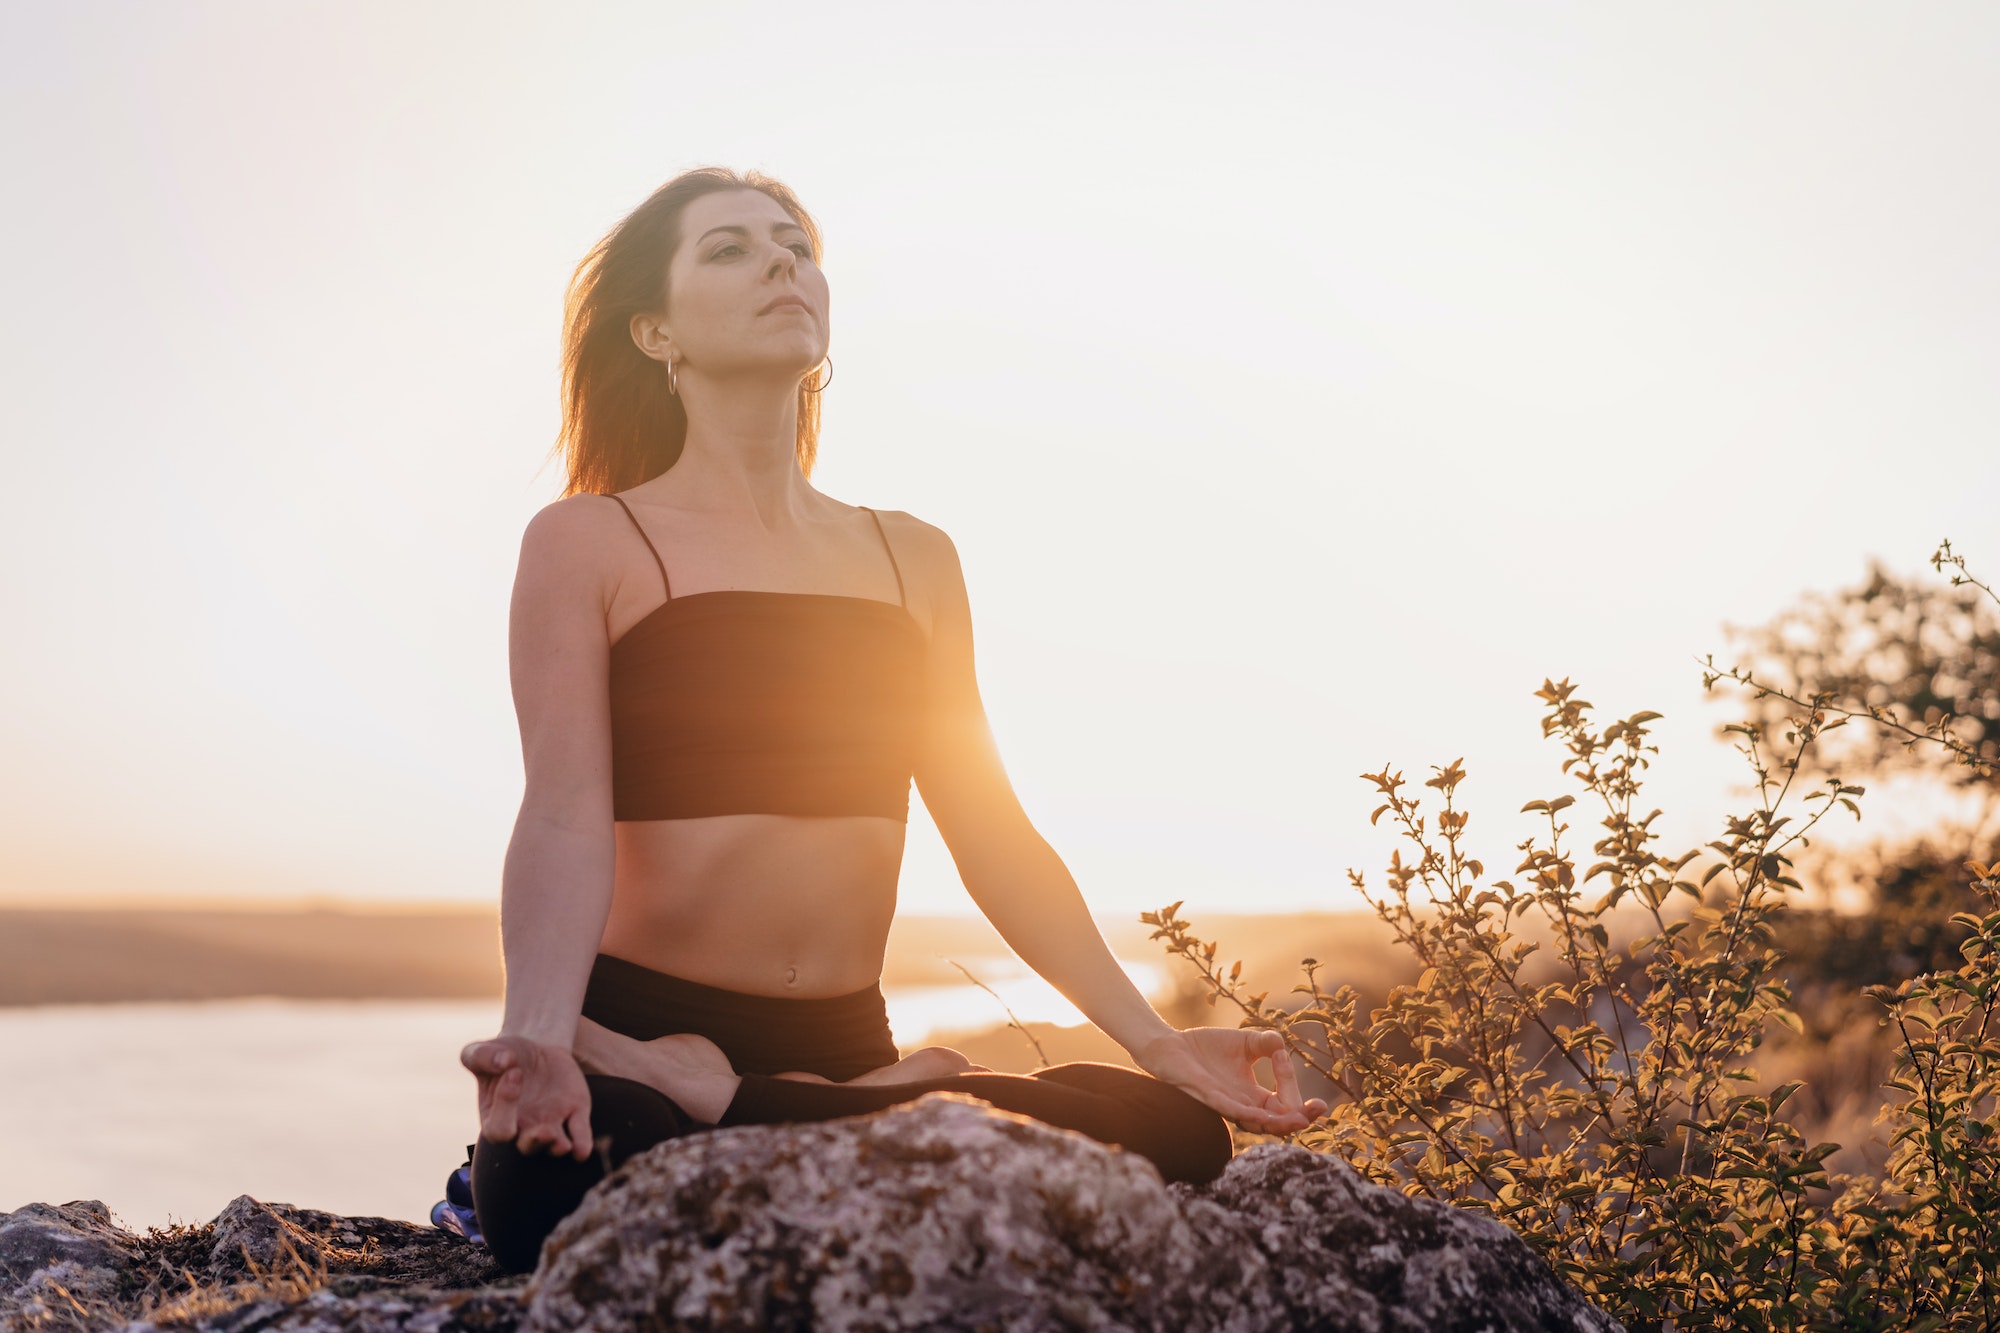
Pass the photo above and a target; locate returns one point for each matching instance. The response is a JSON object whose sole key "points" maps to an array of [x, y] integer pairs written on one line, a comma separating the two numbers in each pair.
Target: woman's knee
{"points": [[520, 1197], [1096, 1076], [1134, 1086], [1187, 1139]]}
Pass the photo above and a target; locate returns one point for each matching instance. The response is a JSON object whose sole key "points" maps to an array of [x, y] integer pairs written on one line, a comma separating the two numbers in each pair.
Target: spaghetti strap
{"points": [[668, 583], [901, 599]]}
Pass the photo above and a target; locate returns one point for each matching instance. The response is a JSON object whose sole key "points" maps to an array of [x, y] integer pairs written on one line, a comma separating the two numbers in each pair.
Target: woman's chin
{"points": [[778, 370]]}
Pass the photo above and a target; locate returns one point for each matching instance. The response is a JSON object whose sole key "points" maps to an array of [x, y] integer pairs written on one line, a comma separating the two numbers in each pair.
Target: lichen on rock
{"points": [[942, 1213]]}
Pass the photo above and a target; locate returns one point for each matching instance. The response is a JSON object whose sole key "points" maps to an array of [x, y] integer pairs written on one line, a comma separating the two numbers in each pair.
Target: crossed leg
{"points": [[645, 1092], [1183, 1138]]}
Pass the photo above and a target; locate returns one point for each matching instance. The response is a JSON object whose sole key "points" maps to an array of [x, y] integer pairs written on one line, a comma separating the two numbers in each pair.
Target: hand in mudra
{"points": [[1218, 1068], [530, 1093]]}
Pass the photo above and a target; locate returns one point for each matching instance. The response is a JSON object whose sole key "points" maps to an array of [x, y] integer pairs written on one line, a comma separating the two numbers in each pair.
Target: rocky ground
{"points": [[939, 1214]]}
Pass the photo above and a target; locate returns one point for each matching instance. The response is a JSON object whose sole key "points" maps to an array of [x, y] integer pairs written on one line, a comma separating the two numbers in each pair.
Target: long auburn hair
{"points": [[620, 426]]}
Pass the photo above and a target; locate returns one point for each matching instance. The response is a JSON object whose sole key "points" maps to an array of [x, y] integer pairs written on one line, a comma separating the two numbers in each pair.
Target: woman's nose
{"points": [[784, 261]]}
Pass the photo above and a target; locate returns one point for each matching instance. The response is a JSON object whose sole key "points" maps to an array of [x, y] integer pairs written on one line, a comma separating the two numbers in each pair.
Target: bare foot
{"points": [[928, 1062], [691, 1070]]}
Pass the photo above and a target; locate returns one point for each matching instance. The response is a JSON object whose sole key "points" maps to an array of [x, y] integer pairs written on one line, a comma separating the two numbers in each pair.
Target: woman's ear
{"points": [[649, 333]]}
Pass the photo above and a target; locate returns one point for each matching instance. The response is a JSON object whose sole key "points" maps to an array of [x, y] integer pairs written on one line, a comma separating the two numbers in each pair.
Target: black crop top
{"points": [[739, 702]]}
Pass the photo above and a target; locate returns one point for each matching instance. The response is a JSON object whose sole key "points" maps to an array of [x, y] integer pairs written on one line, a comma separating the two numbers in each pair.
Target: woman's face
{"points": [[743, 292]]}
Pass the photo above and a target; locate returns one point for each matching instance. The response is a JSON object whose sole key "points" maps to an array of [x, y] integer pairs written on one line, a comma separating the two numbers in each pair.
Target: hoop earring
{"points": [[828, 380], [673, 380]]}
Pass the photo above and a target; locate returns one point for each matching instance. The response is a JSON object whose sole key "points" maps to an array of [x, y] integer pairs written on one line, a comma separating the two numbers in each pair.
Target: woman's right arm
{"points": [[556, 884]]}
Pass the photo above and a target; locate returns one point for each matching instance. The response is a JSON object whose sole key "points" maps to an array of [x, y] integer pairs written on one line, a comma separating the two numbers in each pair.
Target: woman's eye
{"points": [[722, 250], [802, 250]]}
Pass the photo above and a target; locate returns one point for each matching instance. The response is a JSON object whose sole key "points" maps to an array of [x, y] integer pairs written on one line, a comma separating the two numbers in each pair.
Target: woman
{"points": [[726, 681]]}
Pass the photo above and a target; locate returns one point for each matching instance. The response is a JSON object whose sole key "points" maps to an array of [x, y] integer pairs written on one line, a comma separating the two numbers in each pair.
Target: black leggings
{"points": [[520, 1198]]}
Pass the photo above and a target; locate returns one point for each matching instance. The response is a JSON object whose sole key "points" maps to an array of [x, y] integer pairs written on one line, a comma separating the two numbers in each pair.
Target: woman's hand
{"points": [[531, 1093], [1218, 1068]]}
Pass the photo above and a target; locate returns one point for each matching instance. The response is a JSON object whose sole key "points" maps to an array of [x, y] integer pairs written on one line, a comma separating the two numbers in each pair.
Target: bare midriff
{"points": [[764, 904]]}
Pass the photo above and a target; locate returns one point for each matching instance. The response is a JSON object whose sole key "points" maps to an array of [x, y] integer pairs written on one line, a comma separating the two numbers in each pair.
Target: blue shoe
{"points": [[458, 1187], [461, 1222], [454, 1212]]}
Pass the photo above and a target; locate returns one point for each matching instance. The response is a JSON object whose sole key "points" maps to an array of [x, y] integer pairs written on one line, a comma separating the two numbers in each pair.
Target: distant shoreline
{"points": [[100, 953]]}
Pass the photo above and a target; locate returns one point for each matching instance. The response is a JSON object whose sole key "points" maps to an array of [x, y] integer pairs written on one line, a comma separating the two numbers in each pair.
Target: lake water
{"points": [[167, 1111]]}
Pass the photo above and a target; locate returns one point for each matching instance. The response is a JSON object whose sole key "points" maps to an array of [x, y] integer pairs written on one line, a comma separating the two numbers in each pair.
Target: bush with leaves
{"points": [[1918, 662], [1918, 659], [1574, 1057]]}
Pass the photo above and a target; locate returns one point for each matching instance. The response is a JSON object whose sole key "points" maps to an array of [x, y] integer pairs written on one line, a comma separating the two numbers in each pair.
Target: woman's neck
{"points": [[741, 453]]}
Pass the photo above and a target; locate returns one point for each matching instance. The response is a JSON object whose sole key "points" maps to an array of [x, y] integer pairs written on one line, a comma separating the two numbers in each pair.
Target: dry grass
{"points": [[292, 1278]]}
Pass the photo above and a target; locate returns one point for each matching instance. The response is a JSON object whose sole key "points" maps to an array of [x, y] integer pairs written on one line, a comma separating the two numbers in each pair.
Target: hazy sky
{"points": [[1301, 385]]}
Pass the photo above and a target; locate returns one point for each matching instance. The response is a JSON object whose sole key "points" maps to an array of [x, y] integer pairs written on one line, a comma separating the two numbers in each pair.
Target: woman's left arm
{"points": [[1024, 889]]}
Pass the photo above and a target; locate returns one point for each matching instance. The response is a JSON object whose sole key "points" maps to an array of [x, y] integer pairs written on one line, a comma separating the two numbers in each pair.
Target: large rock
{"points": [[1345, 1254], [943, 1214], [56, 1259], [946, 1214]]}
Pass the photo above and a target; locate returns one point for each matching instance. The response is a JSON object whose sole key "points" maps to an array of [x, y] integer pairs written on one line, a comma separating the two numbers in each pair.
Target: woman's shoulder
{"points": [[588, 514], [581, 512], [904, 528], [916, 540], [577, 536]]}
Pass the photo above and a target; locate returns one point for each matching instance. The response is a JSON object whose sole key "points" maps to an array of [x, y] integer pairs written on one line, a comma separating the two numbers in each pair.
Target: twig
{"points": [[1012, 1021], [1944, 555]]}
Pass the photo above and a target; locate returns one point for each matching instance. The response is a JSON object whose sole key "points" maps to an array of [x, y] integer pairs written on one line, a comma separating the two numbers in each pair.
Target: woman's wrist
{"points": [[1154, 1039], [548, 1026]]}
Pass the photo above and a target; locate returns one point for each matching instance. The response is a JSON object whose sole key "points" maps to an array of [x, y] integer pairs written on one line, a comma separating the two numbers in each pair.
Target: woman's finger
{"points": [[578, 1126], [1267, 1123], [486, 1057], [1287, 1078], [1259, 1118], [1235, 1108], [502, 1116], [534, 1138]]}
